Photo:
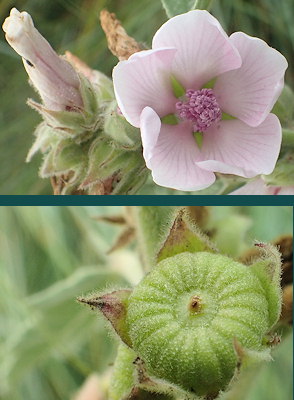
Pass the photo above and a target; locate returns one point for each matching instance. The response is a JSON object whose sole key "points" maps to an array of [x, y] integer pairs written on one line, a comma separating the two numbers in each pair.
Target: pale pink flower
{"points": [[259, 187], [54, 78], [194, 49]]}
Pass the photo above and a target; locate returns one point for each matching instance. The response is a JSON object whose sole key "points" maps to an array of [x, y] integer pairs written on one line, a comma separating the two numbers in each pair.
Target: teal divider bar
{"points": [[152, 200]]}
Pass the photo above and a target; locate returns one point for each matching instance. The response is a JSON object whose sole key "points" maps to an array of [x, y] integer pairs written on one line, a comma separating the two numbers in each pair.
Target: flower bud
{"points": [[53, 77]]}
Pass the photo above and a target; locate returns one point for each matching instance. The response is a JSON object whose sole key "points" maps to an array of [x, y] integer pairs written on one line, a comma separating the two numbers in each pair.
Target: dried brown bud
{"points": [[119, 42]]}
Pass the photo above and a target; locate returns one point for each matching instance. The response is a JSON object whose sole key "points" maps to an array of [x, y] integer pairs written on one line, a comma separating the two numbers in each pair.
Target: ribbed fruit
{"points": [[184, 315]]}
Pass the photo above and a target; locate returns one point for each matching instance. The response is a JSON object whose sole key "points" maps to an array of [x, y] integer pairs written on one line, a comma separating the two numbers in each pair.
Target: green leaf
{"points": [[175, 7], [203, 4], [52, 323]]}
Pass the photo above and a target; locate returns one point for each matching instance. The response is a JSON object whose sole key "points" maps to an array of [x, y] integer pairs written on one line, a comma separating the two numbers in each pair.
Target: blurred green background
{"points": [[49, 344], [73, 25]]}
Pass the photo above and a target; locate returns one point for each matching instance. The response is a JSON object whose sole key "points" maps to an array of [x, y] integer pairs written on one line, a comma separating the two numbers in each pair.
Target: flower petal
{"points": [[204, 49], [233, 147], [256, 187], [171, 153], [250, 92], [144, 80]]}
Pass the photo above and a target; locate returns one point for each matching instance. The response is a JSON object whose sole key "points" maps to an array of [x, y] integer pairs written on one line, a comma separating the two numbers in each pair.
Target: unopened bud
{"points": [[54, 78]]}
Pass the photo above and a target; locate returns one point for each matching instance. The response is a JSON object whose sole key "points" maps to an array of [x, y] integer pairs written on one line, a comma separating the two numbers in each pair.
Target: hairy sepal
{"points": [[114, 308], [268, 271], [184, 236], [153, 224], [80, 122], [130, 381], [106, 159], [117, 128]]}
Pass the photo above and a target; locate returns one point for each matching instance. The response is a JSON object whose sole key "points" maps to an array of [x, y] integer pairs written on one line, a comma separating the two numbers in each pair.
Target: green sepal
{"points": [[153, 225], [107, 160], [69, 156], [47, 168], [67, 124], [65, 158], [133, 176], [178, 89], [199, 138], [210, 84], [114, 308], [170, 119], [103, 85], [248, 357], [283, 174], [284, 112], [227, 117], [81, 122], [122, 378], [118, 128], [184, 236], [126, 376], [45, 139], [268, 271]]}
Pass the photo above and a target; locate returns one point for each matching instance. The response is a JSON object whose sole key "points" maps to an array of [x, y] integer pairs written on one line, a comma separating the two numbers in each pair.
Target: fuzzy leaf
{"points": [[175, 7]]}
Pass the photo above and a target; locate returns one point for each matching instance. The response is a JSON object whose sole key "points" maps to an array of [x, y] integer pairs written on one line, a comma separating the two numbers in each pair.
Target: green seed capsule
{"points": [[186, 313]]}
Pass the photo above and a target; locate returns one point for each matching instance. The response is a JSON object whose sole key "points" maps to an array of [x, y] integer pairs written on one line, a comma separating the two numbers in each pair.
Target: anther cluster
{"points": [[201, 108]]}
